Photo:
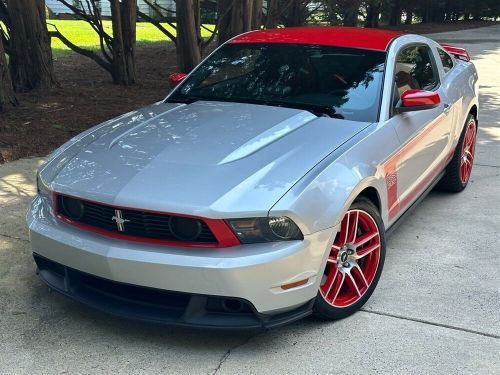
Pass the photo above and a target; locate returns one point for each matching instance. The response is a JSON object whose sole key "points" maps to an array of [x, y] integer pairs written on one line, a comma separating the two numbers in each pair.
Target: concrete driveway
{"points": [[435, 311]]}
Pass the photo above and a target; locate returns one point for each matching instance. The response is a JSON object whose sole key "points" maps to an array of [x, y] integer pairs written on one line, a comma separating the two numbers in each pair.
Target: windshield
{"points": [[330, 81]]}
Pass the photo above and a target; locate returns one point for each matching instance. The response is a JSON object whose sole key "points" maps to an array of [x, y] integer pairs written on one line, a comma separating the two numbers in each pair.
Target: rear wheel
{"points": [[354, 264], [459, 169]]}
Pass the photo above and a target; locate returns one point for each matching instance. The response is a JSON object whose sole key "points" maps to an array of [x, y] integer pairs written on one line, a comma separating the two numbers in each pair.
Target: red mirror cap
{"points": [[175, 78], [459, 53], [420, 98]]}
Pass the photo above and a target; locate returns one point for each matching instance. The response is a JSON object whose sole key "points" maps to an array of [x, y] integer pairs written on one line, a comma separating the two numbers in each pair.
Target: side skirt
{"points": [[412, 207]]}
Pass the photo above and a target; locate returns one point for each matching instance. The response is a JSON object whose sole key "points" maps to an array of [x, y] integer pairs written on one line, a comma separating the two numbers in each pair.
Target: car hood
{"points": [[212, 159]]}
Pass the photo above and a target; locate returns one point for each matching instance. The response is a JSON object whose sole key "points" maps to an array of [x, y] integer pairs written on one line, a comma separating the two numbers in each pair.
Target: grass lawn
{"points": [[80, 33]]}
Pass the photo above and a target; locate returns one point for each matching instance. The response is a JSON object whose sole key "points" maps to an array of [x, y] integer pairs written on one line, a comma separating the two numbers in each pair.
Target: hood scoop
{"points": [[269, 136]]}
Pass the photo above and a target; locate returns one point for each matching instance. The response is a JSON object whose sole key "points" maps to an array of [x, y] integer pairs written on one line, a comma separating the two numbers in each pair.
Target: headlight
{"points": [[265, 229]]}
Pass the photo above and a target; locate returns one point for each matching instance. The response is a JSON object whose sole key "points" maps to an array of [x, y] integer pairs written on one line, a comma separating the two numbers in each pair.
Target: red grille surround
{"points": [[224, 236]]}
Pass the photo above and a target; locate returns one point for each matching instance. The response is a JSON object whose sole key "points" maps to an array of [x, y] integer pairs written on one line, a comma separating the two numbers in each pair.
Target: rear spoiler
{"points": [[459, 53]]}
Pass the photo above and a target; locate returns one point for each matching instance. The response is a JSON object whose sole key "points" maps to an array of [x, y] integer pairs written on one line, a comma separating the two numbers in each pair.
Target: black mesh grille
{"points": [[139, 223]]}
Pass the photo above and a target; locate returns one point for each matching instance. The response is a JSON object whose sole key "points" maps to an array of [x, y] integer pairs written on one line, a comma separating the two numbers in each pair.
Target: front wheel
{"points": [[354, 264]]}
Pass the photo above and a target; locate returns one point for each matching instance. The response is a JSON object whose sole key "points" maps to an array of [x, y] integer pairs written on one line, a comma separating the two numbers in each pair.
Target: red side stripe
{"points": [[390, 172]]}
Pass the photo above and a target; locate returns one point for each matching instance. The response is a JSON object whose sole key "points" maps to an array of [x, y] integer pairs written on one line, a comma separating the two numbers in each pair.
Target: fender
{"points": [[319, 200], [370, 182]]}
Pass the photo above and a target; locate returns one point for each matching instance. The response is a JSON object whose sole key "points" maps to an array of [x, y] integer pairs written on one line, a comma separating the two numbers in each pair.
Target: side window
{"points": [[446, 60], [414, 70]]}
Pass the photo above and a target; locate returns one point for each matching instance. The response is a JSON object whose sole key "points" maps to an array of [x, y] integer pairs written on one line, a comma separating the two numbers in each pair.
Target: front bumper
{"points": [[253, 273], [160, 306]]}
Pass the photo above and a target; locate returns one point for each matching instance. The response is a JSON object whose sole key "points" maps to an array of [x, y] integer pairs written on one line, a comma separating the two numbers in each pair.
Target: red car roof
{"points": [[353, 37]]}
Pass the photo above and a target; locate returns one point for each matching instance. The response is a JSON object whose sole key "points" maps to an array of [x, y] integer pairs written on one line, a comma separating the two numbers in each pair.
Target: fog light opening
{"points": [[73, 208], [185, 229]]}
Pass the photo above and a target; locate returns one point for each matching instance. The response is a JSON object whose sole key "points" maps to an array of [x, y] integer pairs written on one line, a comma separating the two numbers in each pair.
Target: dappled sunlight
{"points": [[18, 178], [16, 184], [487, 65], [485, 59], [493, 134], [17, 189], [487, 62], [489, 120], [488, 98]]}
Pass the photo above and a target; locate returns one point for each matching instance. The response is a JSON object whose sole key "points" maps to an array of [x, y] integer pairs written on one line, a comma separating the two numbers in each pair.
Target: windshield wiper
{"points": [[185, 99], [315, 109], [324, 112]]}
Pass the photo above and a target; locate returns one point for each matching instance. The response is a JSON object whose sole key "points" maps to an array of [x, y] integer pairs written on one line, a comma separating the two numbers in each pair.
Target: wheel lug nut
{"points": [[350, 252], [345, 264]]}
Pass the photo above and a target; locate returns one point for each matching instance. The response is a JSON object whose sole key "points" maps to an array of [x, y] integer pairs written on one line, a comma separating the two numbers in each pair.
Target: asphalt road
{"points": [[436, 309]]}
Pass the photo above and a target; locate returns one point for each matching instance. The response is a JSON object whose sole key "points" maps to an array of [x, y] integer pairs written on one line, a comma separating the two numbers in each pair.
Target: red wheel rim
{"points": [[467, 154], [353, 260]]}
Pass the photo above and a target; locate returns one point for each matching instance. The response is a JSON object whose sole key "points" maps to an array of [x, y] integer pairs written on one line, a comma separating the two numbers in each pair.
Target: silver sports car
{"points": [[262, 188]]}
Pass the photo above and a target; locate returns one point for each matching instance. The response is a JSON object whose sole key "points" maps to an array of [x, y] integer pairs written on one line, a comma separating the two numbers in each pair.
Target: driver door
{"points": [[423, 134]]}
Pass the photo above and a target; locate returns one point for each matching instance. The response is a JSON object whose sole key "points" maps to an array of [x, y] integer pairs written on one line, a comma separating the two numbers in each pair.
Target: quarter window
{"points": [[446, 60], [415, 70]]}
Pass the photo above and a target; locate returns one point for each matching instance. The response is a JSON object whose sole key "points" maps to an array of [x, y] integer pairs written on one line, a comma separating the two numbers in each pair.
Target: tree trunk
{"points": [[427, 11], [241, 20], [188, 39], [256, 15], [235, 18], [272, 14], [197, 24], [224, 10], [31, 56], [123, 16], [438, 12], [6, 90], [372, 13], [297, 13], [409, 17], [350, 13], [395, 13], [129, 21]]}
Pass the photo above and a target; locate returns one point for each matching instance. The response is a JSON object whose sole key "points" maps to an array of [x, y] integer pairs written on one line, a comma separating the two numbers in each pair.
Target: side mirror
{"points": [[417, 100], [175, 78]]}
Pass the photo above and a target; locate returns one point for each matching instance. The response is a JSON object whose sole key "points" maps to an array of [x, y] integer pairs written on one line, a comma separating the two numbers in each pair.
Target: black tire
{"points": [[452, 181], [324, 310]]}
